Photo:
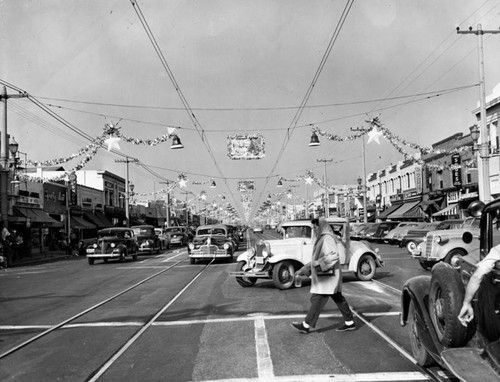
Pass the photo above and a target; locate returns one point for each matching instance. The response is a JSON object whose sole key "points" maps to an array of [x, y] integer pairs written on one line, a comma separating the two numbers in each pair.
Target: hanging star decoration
{"points": [[309, 180], [182, 181], [374, 135], [112, 141]]}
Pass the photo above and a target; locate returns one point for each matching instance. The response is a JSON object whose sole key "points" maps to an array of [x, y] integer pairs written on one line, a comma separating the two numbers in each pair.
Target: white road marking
{"points": [[263, 352], [362, 377]]}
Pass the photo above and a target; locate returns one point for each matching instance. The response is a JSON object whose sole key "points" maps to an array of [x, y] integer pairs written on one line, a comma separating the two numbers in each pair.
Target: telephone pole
{"points": [[127, 160], [365, 212], [327, 201], [483, 164]]}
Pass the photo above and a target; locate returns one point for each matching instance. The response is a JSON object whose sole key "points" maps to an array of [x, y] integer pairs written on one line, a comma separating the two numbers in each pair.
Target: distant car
{"points": [[378, 231], [361, 233], [395, 235], [148, 240], [449, 245], [164, 239], [178, 235], [211, 242], [414, 237], [113, 243], [258, 229]]}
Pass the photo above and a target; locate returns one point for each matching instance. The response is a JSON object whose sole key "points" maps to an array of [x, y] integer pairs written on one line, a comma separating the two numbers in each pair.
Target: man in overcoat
{"points": [[326, 279]]}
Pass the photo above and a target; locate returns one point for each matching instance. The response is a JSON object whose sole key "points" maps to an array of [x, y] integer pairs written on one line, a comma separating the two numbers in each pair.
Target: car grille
{"points": [[209, 250]]}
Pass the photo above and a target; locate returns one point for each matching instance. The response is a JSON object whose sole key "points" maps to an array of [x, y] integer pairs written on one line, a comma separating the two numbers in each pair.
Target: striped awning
{"points": [[399, 213], [447, 211]]}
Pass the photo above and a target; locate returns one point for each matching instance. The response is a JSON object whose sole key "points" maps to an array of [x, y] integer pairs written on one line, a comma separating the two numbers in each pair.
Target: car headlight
{"points": [[226, 245], [95, 245], [265, 252], [113, 245], [437, 239], [191, 246]]}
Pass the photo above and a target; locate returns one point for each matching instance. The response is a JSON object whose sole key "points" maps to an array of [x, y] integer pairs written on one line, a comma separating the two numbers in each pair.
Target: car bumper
{"points": [[207, 255]]}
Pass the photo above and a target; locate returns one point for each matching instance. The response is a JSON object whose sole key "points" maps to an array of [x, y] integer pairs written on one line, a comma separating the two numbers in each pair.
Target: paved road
{"points": [[183, 322]]}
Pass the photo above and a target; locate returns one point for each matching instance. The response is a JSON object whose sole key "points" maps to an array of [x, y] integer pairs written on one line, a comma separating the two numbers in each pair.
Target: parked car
{"points": [[280, 259], [164, 239], [148, 240], [113, 243], [395, 235], [258, 229], [177, 235], [430, 305], [415, 236], [211, 241], [360, 233], [449, 245], [383, 229]]}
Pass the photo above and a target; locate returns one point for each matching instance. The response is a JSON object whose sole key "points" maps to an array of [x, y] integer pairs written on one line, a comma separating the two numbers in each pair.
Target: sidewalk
{"points": [[45, 257]]}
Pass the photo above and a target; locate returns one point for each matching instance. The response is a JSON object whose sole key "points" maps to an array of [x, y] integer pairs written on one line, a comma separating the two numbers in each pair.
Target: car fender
{"points": [[246, 256], [356, 255], [274, 259], [416, 289]]}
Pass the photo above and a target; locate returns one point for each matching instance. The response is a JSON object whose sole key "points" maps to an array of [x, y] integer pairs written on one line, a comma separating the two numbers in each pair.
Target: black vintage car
{"points": [[430, 306], [113, 243], [211, 242], [148, 240]]}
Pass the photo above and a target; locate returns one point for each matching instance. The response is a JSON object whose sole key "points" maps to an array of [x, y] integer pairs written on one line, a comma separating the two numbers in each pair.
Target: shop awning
{"points": [[39, 217], [103, 218], [94, 219], [416, 212], [399, 213], [447, 211], [78, 222], [388, 211]]}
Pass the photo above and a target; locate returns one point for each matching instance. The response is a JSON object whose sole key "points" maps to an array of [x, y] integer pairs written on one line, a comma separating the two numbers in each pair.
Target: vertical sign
{"points": [[456, 170], [418, 179]]}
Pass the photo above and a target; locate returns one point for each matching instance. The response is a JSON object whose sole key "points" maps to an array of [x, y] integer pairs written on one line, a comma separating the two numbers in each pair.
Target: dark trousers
{"points": [[318, 302]]}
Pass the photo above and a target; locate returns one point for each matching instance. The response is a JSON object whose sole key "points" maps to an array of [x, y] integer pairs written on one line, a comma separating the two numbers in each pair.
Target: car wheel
{"points": [[411, 245], [193, 261], [420, 353], [366, 268], [445, 300], [427, 265], [91, 260], [245, 282], [454, 258], [134, 256], [283, 274]]}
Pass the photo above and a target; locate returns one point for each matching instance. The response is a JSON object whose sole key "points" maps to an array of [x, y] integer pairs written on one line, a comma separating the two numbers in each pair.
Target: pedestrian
{"points": [[484, 267], [6, 245], [326, 279]]}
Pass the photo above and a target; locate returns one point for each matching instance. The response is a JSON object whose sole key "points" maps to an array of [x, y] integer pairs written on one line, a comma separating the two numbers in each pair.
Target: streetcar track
{"points": [[88, 310]]}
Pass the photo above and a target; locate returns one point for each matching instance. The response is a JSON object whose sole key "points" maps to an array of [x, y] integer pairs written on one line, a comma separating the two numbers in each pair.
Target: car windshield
{"points": [[173, 230], [120, 234], [143, 231], [211, 231], [297, 231]]}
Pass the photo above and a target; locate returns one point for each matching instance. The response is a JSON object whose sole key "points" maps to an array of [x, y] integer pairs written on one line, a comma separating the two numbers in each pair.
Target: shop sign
{"points": [[456, 170], [418, 179]]}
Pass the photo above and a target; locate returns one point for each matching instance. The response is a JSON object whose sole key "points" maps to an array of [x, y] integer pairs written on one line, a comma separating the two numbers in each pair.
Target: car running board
{"points": [[468, 365]]}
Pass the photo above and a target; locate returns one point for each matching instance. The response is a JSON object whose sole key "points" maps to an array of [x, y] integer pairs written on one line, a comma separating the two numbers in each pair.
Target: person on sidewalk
{"points": [[326, 279]]}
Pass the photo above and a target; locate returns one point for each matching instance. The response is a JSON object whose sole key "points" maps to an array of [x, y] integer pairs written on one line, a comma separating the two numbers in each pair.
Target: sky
{"points": [[242, 67]]}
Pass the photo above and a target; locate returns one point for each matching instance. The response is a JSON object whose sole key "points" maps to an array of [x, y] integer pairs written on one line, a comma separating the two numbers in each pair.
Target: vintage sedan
{"points": [[430, 305], [449, 245], [416, 236], [113, 243], [148, 240], [164, 239], [211, 242], [280, 259], [178, 235]]}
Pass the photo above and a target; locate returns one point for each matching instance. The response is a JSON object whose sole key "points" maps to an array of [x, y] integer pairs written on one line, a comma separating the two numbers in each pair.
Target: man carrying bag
{"points": [[326, 279]]}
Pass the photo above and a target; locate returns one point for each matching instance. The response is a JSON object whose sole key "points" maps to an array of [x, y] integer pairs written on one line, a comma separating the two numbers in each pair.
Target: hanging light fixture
{"points": [[212, 184], [176, 142], [280, 183], [314, 139]]}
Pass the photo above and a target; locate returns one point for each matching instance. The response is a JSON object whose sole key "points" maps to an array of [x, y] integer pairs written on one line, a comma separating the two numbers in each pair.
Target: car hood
{"points": [[456, 232], [281, 243]]}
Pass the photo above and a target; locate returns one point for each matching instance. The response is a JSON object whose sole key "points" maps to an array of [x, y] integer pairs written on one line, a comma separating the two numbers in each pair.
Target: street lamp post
{"points": [[327, 202], [483, 151]]}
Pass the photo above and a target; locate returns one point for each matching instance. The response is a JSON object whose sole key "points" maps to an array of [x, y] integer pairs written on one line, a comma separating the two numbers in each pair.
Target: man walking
{"points": [[326, 279]]}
